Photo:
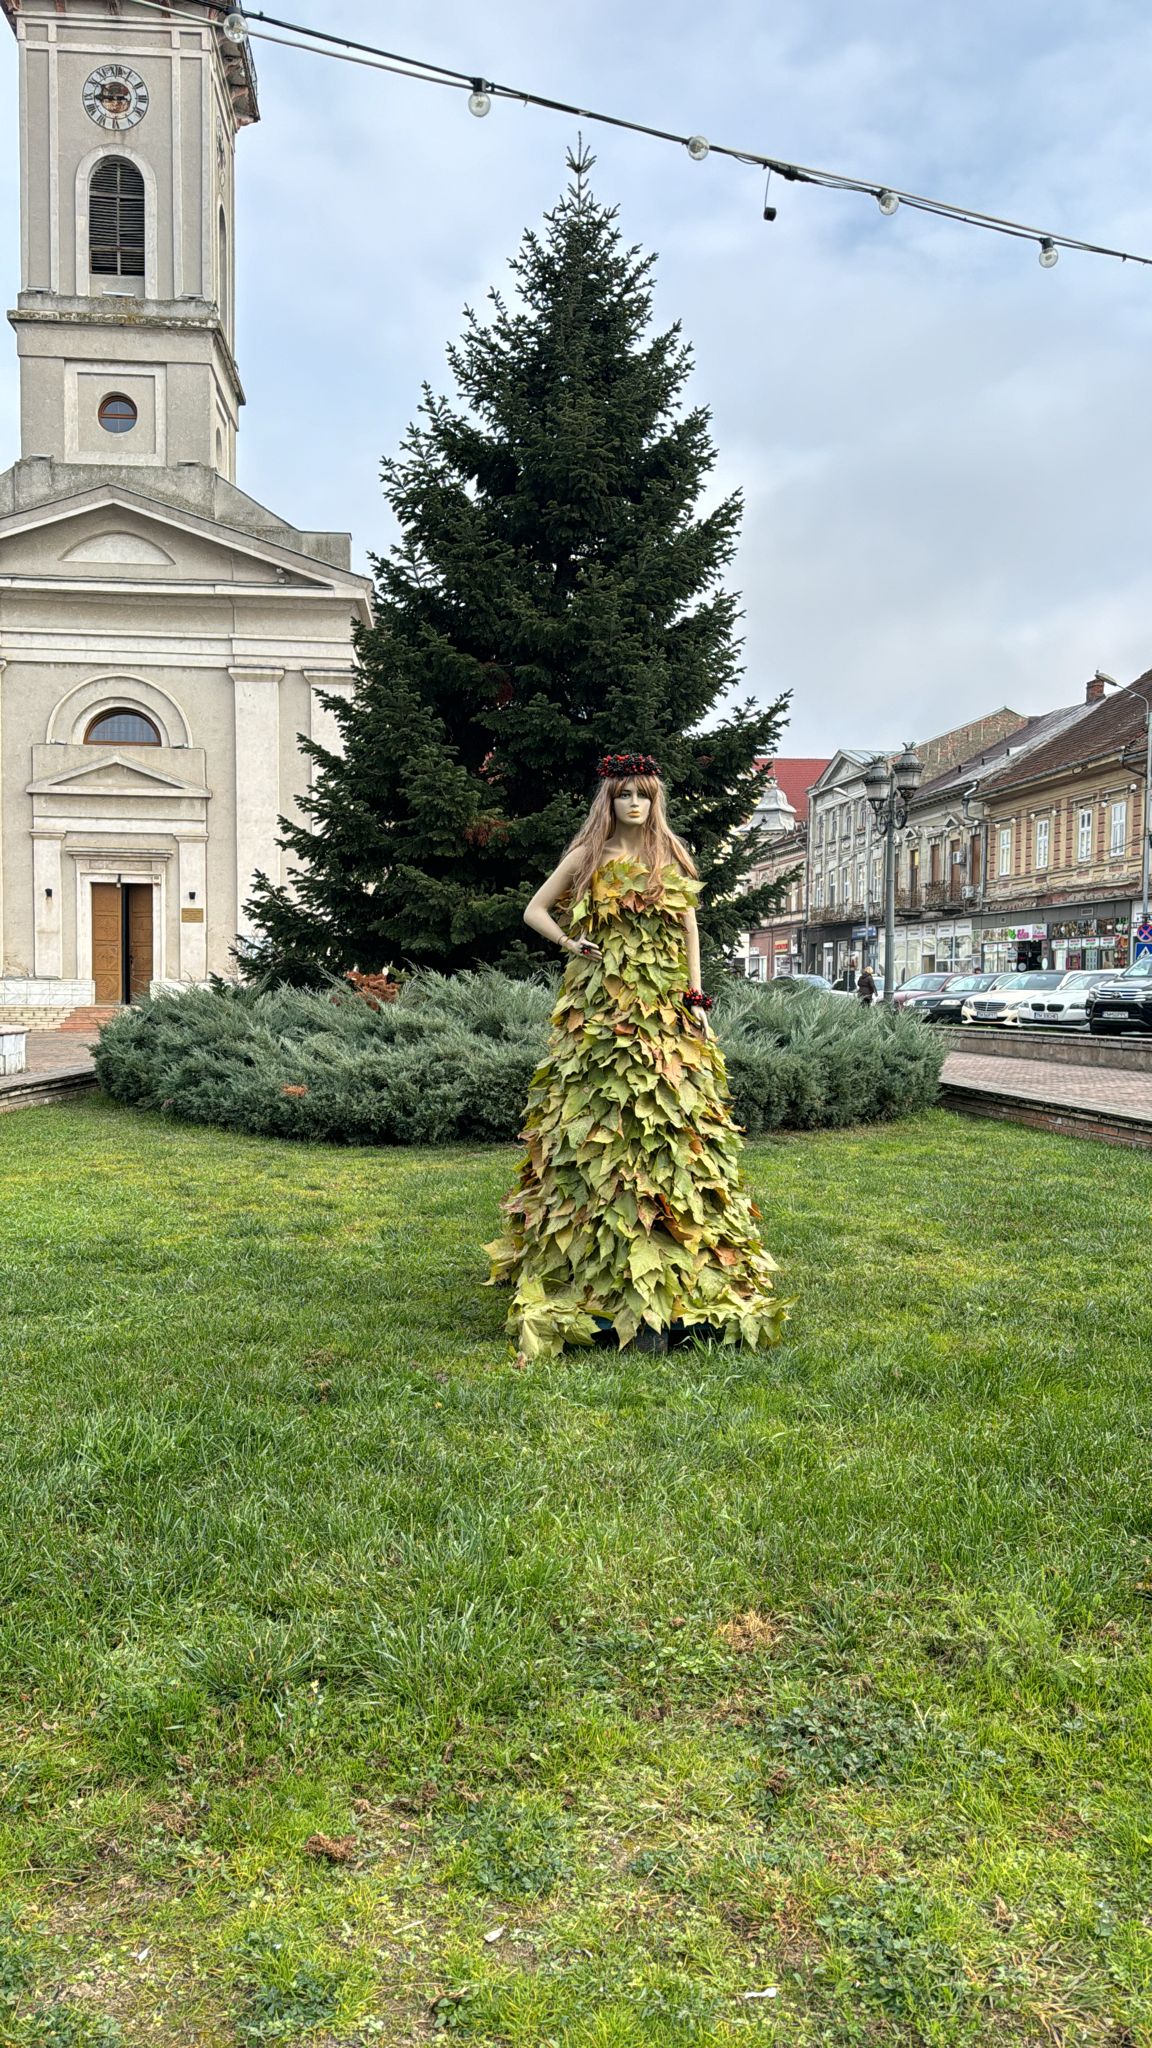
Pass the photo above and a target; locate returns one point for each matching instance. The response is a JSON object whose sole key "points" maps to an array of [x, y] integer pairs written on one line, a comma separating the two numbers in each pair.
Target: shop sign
{"points": [[863, 931], [781, 945]]}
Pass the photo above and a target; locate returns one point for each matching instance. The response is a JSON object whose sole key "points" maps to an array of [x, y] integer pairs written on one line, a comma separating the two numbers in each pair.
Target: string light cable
{"points": [[240, 24]]}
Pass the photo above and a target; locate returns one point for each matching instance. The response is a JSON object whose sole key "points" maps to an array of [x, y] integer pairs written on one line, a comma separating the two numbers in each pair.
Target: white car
{"points": [[1068, 1003], [1004, 1003]]}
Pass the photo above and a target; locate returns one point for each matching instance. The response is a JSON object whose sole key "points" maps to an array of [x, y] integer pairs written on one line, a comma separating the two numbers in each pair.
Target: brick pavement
{"points": [[1102, 1089], [56, 1052], [59, 1064]]}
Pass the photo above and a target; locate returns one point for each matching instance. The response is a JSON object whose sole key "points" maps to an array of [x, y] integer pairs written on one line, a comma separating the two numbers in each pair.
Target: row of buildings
{"points": [[1023, 847]]}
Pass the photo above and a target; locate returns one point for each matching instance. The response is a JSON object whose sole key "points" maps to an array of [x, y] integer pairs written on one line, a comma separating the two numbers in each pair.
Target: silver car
{"points": [[1003, 1004], [1066, 1005]]}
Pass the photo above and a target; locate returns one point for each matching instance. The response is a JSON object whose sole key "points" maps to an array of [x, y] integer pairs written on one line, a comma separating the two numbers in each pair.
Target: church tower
{"points": [[164, 639], [125, 321]]}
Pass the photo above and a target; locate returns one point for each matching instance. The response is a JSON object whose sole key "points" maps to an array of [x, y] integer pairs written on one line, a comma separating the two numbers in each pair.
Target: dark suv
{"points": [[1123, 1003]]}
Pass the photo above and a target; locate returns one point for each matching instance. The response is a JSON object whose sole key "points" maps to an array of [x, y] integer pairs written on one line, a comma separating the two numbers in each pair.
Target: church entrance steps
{"points": [[89, 1019]]}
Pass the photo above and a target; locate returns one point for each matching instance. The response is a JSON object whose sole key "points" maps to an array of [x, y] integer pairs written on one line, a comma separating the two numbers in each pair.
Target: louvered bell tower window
{"points": [[116, 219]]}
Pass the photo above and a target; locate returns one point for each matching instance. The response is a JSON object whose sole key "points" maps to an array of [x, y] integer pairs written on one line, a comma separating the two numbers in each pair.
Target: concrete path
{"points": [[59, 1064], [1091, 1101]]}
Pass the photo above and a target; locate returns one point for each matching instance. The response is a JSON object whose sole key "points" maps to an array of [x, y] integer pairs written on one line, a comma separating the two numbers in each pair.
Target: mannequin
{"points": [[630, 1222]]}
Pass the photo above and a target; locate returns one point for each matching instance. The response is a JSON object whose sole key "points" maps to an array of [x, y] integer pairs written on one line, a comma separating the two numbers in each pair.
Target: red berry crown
{"points": [[615, 767]]}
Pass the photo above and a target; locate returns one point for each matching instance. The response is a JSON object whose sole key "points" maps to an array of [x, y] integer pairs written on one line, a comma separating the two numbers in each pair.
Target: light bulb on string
{"points": [[887, 201], [1049, 254], [697, 147], [234, 26], [479, 99]]}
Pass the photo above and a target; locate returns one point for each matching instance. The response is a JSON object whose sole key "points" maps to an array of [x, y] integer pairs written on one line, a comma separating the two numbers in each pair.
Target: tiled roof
{"points": [[992, 759], [796, 774], [1108, 728]]}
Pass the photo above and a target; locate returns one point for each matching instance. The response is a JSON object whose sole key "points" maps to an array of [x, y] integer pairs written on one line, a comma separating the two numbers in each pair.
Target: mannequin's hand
{"points": [[583, 949], [700, 1020]]}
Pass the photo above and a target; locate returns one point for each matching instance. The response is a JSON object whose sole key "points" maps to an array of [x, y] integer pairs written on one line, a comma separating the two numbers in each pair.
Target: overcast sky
{"points": [[946, 451]]}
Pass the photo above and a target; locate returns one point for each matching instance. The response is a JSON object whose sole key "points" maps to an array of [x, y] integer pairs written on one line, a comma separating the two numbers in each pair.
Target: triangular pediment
{"points": [[115, 775], [844, 765], [113, 535]]}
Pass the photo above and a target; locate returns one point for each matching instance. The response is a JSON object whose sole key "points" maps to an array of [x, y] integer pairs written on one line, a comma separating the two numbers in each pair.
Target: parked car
{"points": [[919, 989], [1124, 1001], [1067, 1005], [945, 1005], [1002, 1004], [819, 982]]}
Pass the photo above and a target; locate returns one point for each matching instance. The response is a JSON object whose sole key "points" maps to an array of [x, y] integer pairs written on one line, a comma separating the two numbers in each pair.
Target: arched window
{"points": [[122, 728], [224, 295], [116, 232]]}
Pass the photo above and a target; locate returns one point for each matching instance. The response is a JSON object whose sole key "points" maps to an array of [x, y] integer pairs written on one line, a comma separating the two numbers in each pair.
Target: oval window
{"points": [[122, 728], [117, 414]]}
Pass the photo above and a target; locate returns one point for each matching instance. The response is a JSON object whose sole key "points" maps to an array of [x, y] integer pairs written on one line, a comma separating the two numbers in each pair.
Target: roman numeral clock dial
{"points": [[115, 97]]}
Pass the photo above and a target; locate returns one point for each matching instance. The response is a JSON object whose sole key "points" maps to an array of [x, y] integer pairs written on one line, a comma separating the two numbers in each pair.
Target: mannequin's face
{"points": [[630, 807]]}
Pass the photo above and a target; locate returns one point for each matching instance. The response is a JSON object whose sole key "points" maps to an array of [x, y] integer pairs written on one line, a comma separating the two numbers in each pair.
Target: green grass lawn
{"points": [[356, 1686]]}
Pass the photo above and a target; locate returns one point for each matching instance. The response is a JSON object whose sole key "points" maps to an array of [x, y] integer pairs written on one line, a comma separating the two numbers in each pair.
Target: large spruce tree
{"points": [[555, 595]]}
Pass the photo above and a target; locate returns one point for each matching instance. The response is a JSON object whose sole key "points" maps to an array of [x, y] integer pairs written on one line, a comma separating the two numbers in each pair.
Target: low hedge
{"points": [[452, 1057]]}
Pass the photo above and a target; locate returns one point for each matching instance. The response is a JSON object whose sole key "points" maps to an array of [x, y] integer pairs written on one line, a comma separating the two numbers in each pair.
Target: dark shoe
{"points": [[648, 1339], [693, 1333], [605, 1338]]}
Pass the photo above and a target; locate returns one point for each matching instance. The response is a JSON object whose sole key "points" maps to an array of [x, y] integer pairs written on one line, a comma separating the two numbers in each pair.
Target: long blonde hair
{"points": [[659, 847]]}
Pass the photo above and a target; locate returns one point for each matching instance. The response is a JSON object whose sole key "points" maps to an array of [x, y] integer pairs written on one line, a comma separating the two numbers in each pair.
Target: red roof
{"points": [[796, 777]]}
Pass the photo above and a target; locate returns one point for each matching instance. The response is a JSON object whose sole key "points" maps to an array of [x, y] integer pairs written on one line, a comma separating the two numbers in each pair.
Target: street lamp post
{"points": [[889, 788]]}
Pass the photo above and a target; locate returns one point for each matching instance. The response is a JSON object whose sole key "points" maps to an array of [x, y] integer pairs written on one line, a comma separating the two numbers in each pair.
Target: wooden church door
{"points": [[122, 965]]}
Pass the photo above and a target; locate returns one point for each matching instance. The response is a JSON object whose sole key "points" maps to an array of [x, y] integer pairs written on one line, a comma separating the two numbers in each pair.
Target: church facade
{"points": [[164, 639]]}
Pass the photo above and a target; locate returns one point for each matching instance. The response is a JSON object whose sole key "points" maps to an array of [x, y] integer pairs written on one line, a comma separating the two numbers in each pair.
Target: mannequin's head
{"points": [[622, 804], [632, 802]]}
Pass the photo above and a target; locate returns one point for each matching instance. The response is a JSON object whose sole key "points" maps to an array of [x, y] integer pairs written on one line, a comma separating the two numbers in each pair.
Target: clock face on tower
{"points": [[115, 97]]}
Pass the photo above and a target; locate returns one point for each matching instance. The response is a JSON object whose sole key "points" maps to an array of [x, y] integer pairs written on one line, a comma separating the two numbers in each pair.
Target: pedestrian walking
{"points": [[866, 987]]}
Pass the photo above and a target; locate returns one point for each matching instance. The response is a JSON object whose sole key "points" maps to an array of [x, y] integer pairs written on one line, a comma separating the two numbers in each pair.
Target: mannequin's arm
{"points": [[692, 946], [538, 913], [692, 949]]}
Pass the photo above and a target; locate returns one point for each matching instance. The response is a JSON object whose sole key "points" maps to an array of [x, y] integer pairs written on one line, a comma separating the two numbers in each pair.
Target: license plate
{"points": [[1105, 1012]]}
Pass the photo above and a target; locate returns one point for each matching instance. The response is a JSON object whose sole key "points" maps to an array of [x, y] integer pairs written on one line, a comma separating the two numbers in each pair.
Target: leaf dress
{"points": [[630, 1206]]}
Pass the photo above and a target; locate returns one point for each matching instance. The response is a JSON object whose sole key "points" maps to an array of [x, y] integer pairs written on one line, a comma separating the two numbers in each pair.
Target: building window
{"points": [[1004, 862], [860, 881], [1043, 833], [845, 884], [122, 728], [116, 235], [225, 295], [1118, 842], [832, 890], [1084, 835], [117, 414], [819, 893]]}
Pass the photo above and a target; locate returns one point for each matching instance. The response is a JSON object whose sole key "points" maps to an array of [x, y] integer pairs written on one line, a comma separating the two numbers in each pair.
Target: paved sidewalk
{"points": [[1103, 1089], [59, 1065], [59, 1052]]}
